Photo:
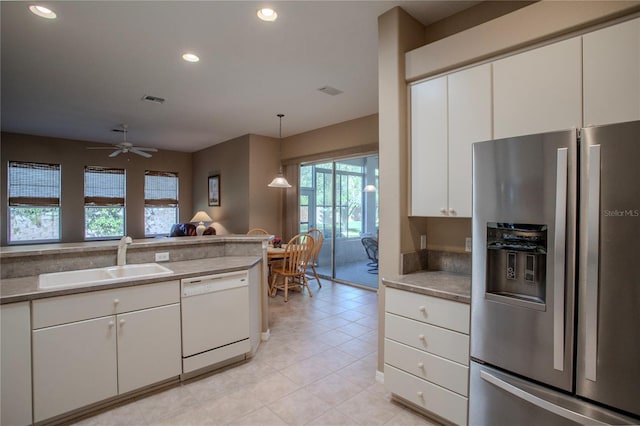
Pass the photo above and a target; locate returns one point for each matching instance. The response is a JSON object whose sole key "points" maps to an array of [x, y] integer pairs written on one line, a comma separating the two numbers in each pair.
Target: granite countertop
{"points": [[26, 288], [446, 285]]}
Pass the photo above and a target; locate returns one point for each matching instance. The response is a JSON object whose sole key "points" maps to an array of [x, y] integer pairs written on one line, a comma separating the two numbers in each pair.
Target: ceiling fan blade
{"points": [[136, 151], [100, 147], [115, 153], [140, 148]]}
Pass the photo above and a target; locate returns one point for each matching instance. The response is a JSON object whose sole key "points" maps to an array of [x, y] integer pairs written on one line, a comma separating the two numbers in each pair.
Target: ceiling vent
{"points": [[330, 90], [155, 99]]}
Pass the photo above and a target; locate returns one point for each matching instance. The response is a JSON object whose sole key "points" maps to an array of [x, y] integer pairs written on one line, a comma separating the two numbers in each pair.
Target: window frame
{"points": [[20, 202], [105, 202], [173, 203]]}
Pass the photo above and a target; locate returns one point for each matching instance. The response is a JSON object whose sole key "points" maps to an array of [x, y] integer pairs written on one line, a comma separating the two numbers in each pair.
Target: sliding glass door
{"points": [[340, 199]]}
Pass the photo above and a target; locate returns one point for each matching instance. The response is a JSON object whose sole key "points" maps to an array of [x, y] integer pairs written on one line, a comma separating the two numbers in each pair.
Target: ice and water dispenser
{"points": [[516, 263]]}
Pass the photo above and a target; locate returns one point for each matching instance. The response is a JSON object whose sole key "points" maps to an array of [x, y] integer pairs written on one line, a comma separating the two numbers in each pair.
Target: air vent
{"points": [[155, 99], [330, 90]]}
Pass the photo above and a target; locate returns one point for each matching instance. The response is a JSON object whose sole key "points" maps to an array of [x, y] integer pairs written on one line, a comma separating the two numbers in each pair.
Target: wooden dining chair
{"points": [[257, 231], [318, 239], [293, 269]]}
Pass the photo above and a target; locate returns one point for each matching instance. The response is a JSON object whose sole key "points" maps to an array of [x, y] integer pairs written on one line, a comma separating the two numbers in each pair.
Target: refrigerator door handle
{"points": [[537, 401], [593, 248], [559, 247]]}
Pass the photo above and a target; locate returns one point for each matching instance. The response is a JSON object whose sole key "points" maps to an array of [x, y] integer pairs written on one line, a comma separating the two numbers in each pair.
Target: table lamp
{"points": [[201, 217]]}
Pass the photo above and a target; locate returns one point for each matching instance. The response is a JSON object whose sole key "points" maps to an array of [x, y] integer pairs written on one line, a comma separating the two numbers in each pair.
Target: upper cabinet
{"points": [[611, 67], [539, 90], [470, 119], [429, 147], [448, 114]]}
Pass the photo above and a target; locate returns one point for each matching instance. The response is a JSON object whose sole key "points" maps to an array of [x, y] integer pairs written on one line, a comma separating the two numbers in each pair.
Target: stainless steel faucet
{"points": [[122, 250]]}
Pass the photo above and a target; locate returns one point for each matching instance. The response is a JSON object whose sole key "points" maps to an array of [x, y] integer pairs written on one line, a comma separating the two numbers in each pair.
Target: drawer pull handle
{"points": [[116, 301], [422, 309], [122, 322], [420, 365], [420, 394], [111, 324]]}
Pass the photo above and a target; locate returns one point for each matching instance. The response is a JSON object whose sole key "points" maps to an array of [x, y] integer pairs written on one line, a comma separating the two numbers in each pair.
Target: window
{"points": [[34, 202], [160, 202], [104, 190]]}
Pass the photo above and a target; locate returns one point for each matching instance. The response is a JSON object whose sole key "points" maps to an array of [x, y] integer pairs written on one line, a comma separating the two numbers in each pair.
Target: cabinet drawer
{"points": [[438, 341], [440, 371], [430, 397], [82, 306], [432, 310]]}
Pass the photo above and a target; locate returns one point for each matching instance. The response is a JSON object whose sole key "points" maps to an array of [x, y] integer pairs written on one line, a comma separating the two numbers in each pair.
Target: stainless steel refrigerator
{"points": [[555, 306]]}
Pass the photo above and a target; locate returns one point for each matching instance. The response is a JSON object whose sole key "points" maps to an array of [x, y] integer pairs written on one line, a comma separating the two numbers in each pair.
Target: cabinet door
{"points": [[15, 374], [539, 90], [148, 346], [73, 365], [470, 120], [611, 59], [429, 148]]}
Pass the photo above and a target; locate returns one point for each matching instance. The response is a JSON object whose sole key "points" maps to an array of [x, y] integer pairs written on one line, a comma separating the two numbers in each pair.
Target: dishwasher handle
{"points": [[213, 283]]}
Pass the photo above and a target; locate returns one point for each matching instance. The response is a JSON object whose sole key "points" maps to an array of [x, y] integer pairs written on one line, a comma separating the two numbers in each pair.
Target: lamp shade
{"points": [[280, 182], [201, 216]]}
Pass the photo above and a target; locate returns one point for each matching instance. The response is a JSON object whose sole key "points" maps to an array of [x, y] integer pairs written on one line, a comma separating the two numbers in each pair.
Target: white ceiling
{"points": [[84, 73]]}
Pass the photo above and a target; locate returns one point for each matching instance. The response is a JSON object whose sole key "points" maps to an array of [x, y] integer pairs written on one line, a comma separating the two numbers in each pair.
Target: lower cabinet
{"points": [[15, 373], [73, 365], [85, 360], [426, 353]]}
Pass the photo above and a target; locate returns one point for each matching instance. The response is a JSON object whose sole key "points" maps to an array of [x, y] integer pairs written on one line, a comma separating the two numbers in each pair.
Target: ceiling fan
{"points": [[124, 147]]}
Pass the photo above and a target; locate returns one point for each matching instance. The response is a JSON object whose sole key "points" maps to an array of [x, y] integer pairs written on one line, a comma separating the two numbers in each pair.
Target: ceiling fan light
{"points": [[43, 12], [267, 14], [191, 57]]}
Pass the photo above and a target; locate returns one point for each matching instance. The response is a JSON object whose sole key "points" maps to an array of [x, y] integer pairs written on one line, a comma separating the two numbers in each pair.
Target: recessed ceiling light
{"points": [[42, 11], [190, 57], [267, 14]]}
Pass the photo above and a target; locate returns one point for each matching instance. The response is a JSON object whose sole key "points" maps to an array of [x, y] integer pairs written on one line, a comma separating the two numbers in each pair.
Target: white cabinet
{"points": [[73, 365], [448, 114], [15, 371], [429, 141], [148, 346], [91, 346], [470, 120], [539, 90], [611, 67], [426, 352]]}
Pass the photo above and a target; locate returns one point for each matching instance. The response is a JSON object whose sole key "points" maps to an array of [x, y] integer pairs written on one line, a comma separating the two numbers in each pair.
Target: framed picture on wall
{"points": [[214, 190]]}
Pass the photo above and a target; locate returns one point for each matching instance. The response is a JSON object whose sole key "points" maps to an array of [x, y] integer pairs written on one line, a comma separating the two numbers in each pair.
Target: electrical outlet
{"points": [[467, 244], [162, 257], [423, 242]]}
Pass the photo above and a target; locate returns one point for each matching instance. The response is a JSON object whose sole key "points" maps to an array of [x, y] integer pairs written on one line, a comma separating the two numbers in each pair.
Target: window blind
{"points": [[160, 189], [103, 186], [34, 184]]}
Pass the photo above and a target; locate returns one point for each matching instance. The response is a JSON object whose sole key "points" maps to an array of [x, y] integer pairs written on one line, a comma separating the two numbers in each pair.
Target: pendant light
{"points": [[280, 181]]}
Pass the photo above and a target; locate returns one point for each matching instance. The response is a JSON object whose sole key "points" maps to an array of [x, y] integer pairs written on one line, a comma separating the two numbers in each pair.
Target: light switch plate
{"points": [[467, 244], [423, 241]]}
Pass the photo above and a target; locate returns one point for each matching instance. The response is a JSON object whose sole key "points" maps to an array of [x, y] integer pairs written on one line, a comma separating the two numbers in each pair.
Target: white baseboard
{"points": [[265, 335], [379, 377]]}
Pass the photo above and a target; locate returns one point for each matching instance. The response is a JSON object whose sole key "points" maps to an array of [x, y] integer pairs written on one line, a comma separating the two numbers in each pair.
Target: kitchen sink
{"points": [[107, 275]]}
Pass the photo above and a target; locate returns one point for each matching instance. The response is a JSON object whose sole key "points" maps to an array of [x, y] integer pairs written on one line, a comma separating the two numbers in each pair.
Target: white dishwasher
{"points": [[215, 319]]}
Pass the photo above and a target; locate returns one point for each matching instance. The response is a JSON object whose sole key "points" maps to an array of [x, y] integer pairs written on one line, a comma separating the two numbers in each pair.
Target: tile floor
{"points": [[318, 368]]}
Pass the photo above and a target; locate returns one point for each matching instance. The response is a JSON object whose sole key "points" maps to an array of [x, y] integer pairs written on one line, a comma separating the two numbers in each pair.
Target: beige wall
{"points": [[265, 204], [245, 165], [397, 33], [230, 160], [359, 136], [73, 156]]}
